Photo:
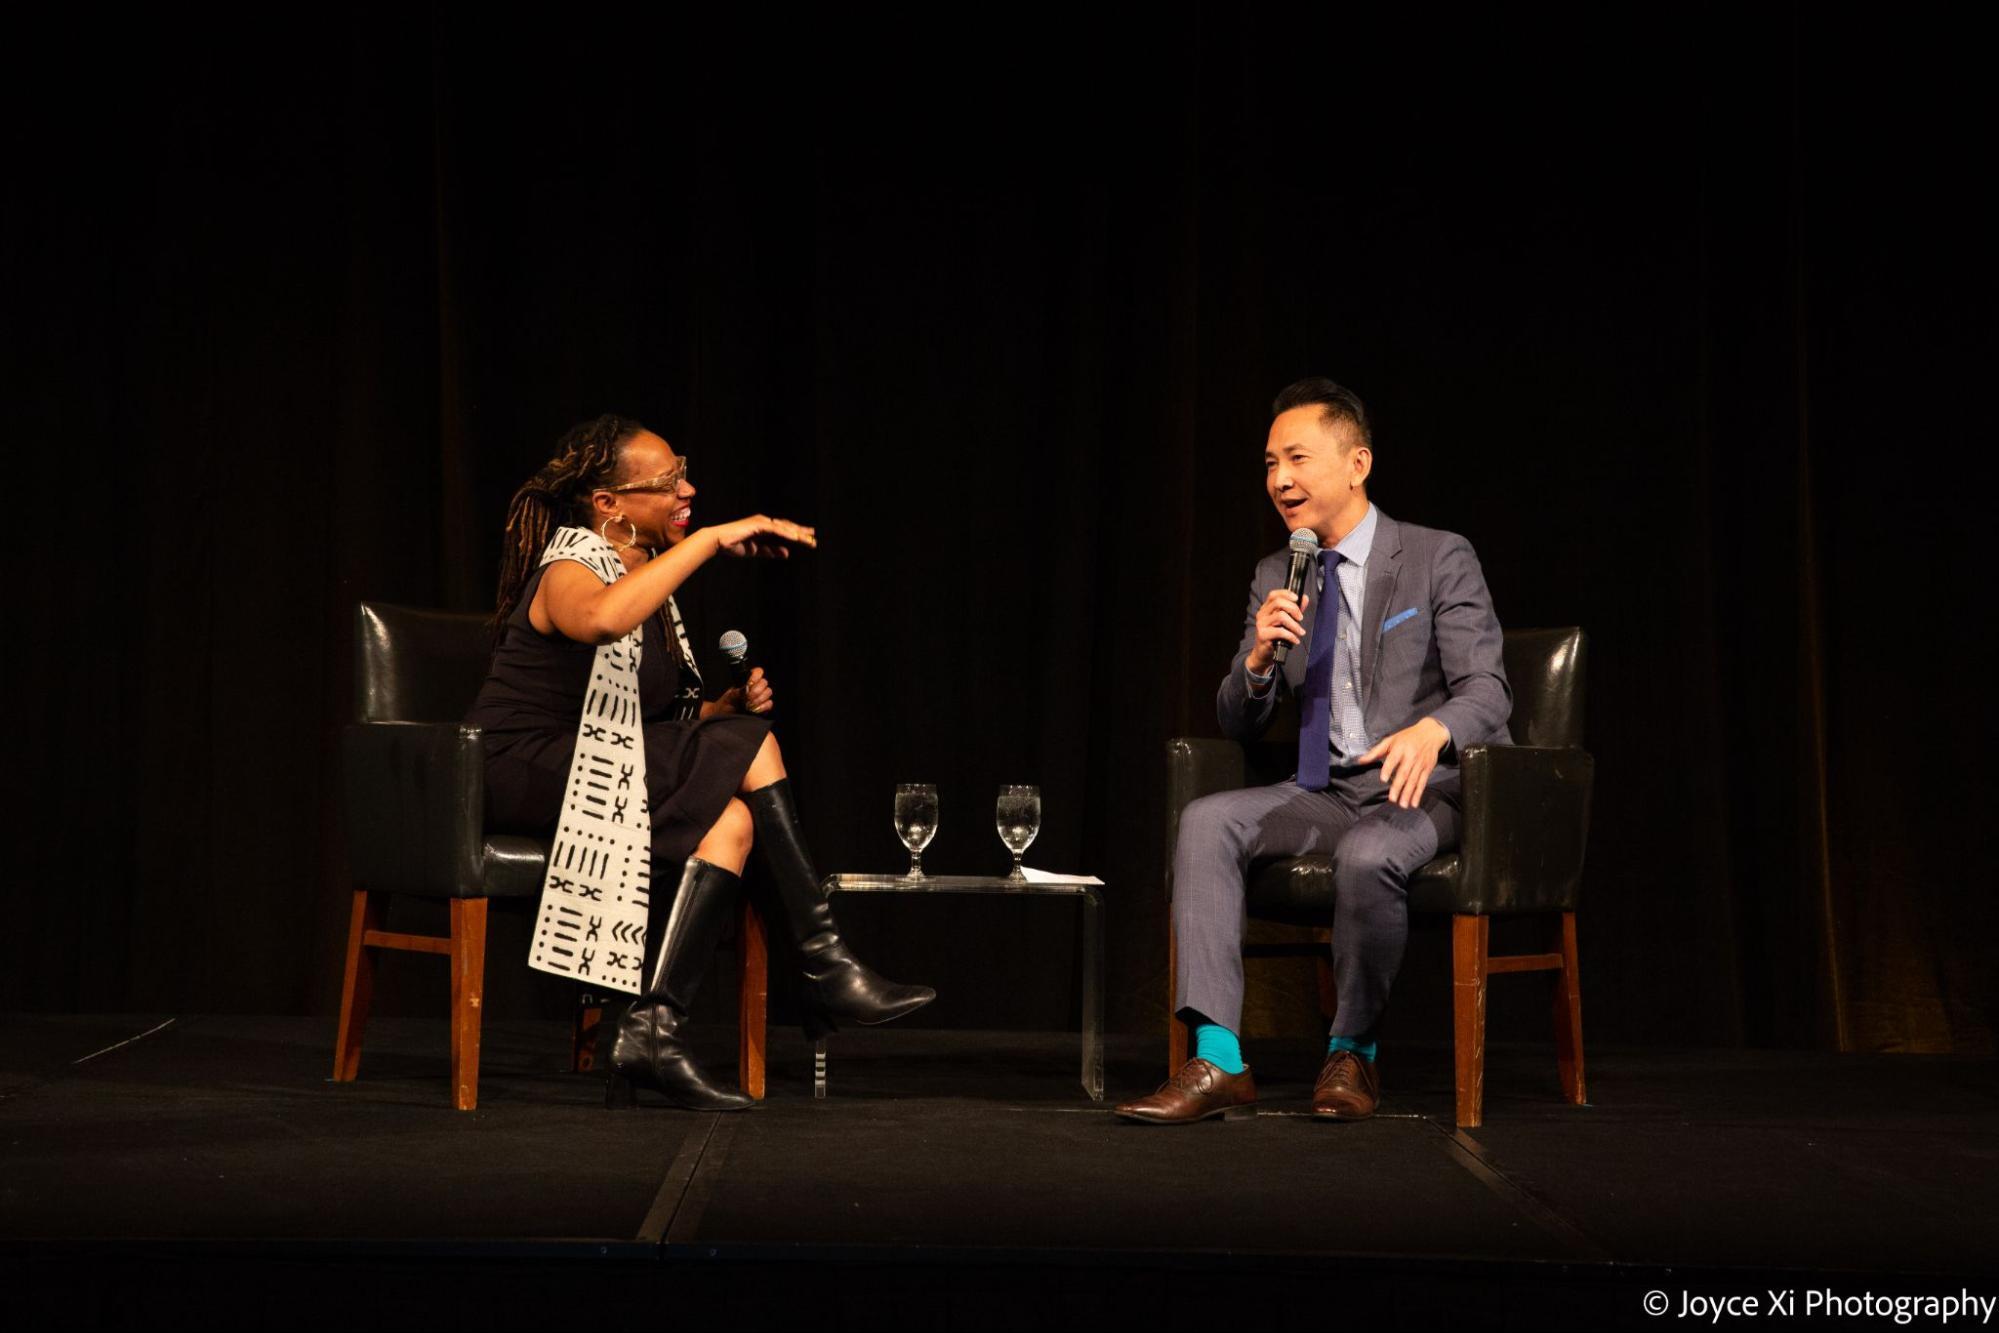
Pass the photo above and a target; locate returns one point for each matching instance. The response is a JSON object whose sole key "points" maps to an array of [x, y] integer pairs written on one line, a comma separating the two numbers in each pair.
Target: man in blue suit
{"points": [[1396, 665]]}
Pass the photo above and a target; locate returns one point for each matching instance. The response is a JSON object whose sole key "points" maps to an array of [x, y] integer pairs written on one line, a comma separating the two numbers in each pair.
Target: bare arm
{"points": [[574, 601]]}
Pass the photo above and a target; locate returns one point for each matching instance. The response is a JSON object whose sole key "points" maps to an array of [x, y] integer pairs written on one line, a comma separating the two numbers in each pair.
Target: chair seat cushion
{"points": [[515, 866], [1439, 886], [1299, 890]]}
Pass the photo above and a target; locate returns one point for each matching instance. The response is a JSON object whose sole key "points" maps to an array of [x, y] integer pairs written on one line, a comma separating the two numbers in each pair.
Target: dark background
{"points": [[1683, 316]]}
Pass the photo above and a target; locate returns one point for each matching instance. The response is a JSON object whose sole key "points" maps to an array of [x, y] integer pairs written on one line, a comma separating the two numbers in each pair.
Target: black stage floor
{"points": [[203, 1166]]}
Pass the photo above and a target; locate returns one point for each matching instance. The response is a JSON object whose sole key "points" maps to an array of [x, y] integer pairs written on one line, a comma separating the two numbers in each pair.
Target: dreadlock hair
{"points": [[586, 458]]}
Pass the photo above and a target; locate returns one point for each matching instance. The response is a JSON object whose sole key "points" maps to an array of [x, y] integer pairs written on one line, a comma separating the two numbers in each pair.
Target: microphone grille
{"points": [[734, 645], [1305, 542]]}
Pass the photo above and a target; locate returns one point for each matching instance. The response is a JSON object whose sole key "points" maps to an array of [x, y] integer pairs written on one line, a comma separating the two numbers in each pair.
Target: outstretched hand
{"points": [[1407, 758], [762, 535]]}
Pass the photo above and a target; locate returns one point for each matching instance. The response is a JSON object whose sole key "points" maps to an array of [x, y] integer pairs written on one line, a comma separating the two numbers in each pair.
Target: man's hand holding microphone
{"points": [[1281, 619]]}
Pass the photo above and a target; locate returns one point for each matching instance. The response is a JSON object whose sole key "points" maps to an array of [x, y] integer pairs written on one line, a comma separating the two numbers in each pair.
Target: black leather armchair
{"points": [[414, 783], [1526, 821]]}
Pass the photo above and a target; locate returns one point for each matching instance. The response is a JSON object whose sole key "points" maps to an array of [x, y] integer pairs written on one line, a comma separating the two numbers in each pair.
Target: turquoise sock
{"points": [[1364, 1049], [1219, 1047]]}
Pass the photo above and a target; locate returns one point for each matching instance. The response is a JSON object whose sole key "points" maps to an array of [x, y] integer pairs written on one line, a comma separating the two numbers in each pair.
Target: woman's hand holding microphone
{"points": [[753, 696]]}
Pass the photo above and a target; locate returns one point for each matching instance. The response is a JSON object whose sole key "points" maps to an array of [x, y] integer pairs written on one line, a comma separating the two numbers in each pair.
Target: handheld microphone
{"points": [[736, 647], [1304, 550]]}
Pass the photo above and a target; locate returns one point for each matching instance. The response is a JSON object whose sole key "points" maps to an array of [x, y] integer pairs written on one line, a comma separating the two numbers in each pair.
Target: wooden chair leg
{"points": [[754, 1012], [357, 987], [1329, 988], [468, 995], [1569, 1016], [1176, 1031], [1469, 937]]}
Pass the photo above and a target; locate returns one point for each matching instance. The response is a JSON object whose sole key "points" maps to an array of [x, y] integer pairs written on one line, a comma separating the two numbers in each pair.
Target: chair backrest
{"points": [[413, 665], [1545, 667]]}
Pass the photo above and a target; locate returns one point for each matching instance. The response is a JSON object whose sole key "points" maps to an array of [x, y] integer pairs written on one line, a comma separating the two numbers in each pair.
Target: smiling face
{"points": [[659, 513], [1316, 472]]}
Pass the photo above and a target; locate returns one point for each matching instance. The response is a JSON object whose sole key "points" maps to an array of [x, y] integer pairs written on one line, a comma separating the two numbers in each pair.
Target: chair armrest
{"points": [[1195, 767], [1526, 824], [416, 807]]}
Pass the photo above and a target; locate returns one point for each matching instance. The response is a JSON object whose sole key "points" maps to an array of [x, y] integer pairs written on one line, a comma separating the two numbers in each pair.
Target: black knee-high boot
{"points": [[837, 985], [651, 1050]]}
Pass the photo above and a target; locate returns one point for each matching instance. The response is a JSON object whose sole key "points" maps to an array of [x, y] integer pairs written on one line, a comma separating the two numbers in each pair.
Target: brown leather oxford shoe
{"points": [[1348, 1088], [1200, 1091]]}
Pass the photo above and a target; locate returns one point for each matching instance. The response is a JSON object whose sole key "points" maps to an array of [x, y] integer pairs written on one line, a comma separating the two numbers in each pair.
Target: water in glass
{"points": [[1018, 817], [916, 820]]}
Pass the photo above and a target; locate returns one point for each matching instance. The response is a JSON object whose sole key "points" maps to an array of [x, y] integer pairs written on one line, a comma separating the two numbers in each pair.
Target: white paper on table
{"points": [[1034, 876]]}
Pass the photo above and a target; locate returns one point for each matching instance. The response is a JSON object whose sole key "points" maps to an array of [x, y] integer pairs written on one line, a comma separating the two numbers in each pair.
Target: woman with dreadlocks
{"points": [[589, 638]]}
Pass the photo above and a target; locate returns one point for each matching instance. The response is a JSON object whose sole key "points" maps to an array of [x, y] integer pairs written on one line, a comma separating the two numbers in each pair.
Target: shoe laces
{"points": [[1192, 1076], [1342, 1068]]}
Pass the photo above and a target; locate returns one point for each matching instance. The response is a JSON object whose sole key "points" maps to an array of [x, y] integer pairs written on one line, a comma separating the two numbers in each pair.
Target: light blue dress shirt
{"points": [[1349, 733]]}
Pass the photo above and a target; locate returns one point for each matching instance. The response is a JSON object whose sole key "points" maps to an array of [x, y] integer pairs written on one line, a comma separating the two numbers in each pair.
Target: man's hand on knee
{"points": [[1407, 758]]}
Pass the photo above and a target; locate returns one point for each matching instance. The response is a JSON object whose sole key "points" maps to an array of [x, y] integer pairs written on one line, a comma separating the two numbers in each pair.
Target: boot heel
{"points": [[819, 1024], [1239, 1113], [620, 1093]]}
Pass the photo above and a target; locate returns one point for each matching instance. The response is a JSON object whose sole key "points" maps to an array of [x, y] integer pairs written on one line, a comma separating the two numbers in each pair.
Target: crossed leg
{"points": [[728, 840]]}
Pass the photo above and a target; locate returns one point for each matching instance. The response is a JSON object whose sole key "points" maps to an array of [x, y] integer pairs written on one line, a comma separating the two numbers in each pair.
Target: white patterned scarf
{"points": [[591, 925]]}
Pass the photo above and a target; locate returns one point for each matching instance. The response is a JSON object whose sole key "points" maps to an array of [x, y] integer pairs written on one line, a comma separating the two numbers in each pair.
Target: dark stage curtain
{"points": [[1682, 317]]}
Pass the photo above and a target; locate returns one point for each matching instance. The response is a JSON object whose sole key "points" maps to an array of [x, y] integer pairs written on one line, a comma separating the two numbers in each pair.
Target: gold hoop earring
{"points": [[603, 530]]}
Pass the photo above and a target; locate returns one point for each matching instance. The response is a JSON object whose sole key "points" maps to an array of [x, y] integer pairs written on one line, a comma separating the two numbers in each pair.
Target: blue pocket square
{"points": [[1396, 619]]}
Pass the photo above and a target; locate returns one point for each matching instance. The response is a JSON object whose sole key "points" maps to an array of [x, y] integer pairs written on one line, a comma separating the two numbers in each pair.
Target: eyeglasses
{"points": [[666, 481]]}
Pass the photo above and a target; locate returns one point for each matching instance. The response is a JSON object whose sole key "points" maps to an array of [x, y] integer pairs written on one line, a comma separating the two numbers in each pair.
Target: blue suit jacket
{"points": [[1430, 643]]}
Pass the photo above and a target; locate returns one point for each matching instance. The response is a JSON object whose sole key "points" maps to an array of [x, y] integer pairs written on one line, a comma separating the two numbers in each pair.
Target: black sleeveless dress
{"points": [[533, 699]]}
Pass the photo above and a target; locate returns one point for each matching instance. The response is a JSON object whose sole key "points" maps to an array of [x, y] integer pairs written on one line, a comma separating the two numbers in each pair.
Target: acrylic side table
{"points": [[1092, 905]]}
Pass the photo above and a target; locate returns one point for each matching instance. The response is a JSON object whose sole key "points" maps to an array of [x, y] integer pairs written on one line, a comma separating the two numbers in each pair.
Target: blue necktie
{"points": [[1315, 695]]}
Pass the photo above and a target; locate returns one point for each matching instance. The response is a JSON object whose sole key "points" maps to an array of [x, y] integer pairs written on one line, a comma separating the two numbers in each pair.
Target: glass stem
{"points": [[1017, 873], [916, 865]]}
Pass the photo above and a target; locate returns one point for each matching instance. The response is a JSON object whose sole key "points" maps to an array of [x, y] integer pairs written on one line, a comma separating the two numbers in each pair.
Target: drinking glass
{"points": [[916, 820], [1019, 818]]}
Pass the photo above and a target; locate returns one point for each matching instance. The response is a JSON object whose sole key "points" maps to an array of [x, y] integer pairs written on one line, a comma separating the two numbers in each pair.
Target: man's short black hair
{"points": [[1337, 402]]}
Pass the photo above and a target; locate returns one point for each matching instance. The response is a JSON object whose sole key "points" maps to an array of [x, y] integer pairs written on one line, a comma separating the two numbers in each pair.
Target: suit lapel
{"points": [[1384, 567]]}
